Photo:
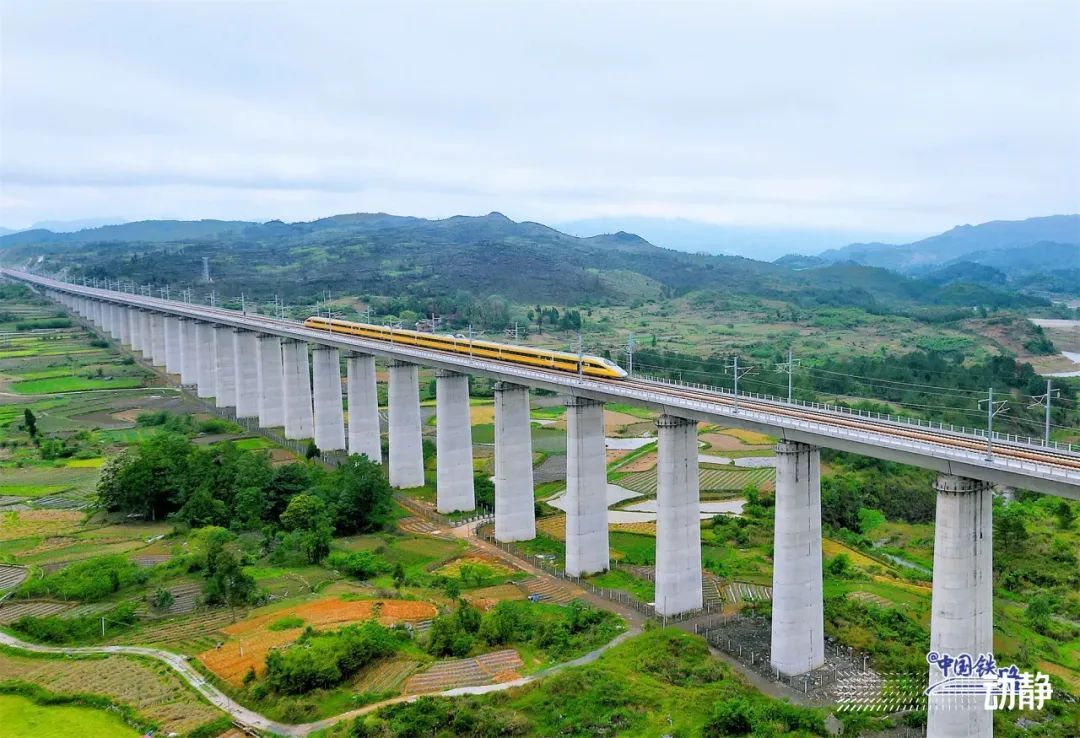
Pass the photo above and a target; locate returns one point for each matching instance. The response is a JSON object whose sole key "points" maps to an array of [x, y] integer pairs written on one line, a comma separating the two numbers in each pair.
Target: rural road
{"points": [[261, 723]]}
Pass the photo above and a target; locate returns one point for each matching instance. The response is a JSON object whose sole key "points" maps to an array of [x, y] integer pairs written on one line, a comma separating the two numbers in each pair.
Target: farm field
{"points": [[248, 641], [153, 690], [20, 716], [711, 479]]}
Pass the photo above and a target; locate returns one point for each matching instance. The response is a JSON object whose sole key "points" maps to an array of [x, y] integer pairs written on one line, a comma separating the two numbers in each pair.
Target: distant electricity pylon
{"points": [[1044, 400], [789, 367], [206, 270], [629, 355], [993, 409]]}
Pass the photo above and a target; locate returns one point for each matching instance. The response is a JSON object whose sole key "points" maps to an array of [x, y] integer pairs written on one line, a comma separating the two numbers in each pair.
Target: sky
{"points": [[889, 119]]}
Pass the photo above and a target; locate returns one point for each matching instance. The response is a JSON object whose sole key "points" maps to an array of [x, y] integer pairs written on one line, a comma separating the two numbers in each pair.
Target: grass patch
{"points": [[31, 490], [21, 716], [286, 623], [73, 384]]}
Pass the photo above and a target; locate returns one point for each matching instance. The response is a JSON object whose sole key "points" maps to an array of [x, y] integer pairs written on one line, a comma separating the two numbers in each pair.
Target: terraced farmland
{"points": [[490, 668], [386, 676], [152, 689], [711, 480], [12, 610], [11, 576]]}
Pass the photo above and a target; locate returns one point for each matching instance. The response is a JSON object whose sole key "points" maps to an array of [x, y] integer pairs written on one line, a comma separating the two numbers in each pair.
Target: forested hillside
{"points": [[381, 254]]}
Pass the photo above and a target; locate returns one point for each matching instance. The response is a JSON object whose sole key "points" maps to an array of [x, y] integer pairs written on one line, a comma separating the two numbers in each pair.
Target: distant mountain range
{"points": [[712, 238], [378, 253], [1013, 247]]}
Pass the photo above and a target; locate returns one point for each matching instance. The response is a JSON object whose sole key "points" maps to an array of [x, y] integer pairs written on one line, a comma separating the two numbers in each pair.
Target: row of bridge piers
{"points": [[269, 378]]}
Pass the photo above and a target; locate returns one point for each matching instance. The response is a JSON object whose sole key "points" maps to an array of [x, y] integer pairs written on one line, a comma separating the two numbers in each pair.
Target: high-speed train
{"points": [[593, 366]]}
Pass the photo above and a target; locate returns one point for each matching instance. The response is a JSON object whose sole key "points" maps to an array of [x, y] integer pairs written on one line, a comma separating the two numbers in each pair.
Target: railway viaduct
{"points": [[287, 375]]}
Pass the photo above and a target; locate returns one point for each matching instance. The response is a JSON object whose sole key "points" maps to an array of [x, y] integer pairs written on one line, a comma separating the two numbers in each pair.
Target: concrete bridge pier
{"points": [[299, 418], [515, 511], [678, 522], [406, 440], [962, 615], [146, 331], [587, 550], [112, 322], [189, 352], [798, 628], [124, 325], [157, 339], [135, 328], [206, 373], [246, 368], [173, 346], [271, 382], [224, 369], [329, 416], [365, 436], [453, 443]]}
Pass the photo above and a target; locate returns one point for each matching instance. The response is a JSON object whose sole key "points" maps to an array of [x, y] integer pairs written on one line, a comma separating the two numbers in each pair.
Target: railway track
{"points": [[1055, 461]]}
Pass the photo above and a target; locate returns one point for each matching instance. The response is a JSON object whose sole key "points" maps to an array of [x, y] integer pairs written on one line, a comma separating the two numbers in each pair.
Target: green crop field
{"points": [[73, 384], [734, 479], [22, 717]]}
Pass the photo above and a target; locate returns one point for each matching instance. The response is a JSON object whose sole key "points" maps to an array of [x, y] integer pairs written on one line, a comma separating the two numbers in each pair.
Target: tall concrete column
{"points": [[299, 420], [173, 346], [224, 367], [146, 334], [364, 432], [406, 440], [678, 520], [587, 549], [112, 323], [206, 374], [189, 352], [453, 443], [271, 383], [798, 626], [515, 507], [157, 339], [246, 371], [329, 416], [124, 324], [135, 324], [961, 608]]}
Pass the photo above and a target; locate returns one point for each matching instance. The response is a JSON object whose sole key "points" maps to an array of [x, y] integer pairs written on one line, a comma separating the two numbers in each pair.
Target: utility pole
{"points": [[213, 298], [992, 410], [630, 355], [580, 356], [1044, 400], [789, 367], [243, 304], [737, 373]]}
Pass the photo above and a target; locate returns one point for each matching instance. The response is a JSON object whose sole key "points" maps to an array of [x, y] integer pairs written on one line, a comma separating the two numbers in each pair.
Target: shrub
{"points": [[359, 564], [320, 660], [90, 580]]}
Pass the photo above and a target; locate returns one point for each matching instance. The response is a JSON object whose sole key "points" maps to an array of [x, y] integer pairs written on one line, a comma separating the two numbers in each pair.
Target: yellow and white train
{"points": [[593, 366]]}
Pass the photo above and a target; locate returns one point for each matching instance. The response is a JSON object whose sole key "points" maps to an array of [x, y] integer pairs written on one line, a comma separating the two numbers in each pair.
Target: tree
{"points": [[1009, 526], [161, 600], [1065, 514], [227, 583], [358, 496], [312, 451], [1039, 611], [399, 575], [308, 521], [30, 421]]}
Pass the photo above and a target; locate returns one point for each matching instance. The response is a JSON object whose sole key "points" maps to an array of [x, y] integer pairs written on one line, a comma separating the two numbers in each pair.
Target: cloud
{"points": [[886, 117]]}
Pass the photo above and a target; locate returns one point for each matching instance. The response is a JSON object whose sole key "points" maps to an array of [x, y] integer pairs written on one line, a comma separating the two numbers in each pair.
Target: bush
{"points": [[90, 580], [53, 629], [359, 564], [321, 660]]}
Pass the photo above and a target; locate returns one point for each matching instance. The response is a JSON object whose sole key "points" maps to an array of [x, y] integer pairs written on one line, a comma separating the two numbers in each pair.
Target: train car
{"points": [[593, 366]]}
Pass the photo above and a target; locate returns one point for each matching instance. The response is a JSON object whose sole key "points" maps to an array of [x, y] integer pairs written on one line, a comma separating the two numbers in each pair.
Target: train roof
{"points": [[563, 355]]}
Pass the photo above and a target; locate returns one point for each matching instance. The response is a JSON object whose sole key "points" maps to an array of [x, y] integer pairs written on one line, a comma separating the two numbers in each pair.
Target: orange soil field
{"points": [[614, 454], [641, 463], [250, 640]]}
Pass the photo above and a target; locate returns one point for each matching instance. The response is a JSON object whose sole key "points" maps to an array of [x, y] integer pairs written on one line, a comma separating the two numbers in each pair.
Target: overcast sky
{"points": [[884, 117]]}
